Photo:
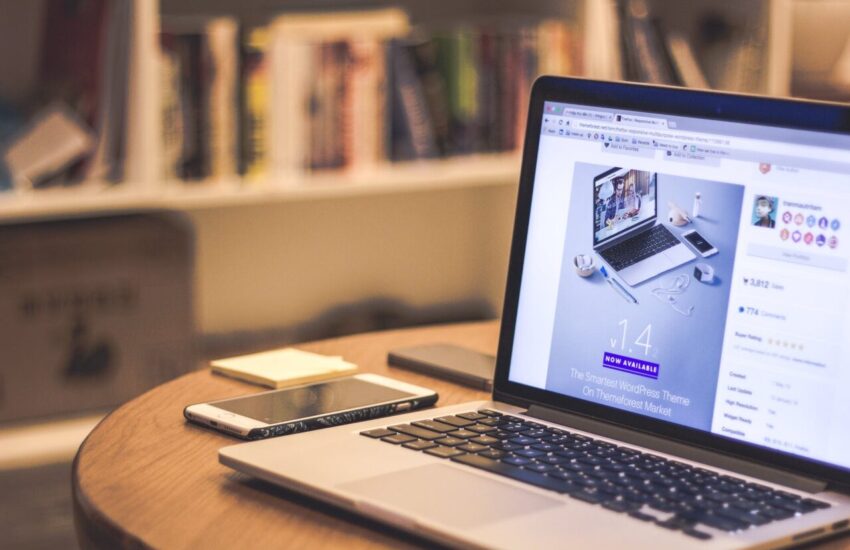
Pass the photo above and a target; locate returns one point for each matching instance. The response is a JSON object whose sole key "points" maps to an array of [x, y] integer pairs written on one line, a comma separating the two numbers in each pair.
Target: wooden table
{"points": [[146, 478]]}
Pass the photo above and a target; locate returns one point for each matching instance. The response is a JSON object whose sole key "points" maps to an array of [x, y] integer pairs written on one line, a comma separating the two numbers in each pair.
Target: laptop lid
{"points": [[750, 361], [624, 202]]}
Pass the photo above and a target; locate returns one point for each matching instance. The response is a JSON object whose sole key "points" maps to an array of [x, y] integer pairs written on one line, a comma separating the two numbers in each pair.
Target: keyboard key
{"points": [[525, 476], [377, 433], [591, 496], [398, 439], [472, 416], [721, 523], [701, 535], [489, 412], [514, 428], [776, 513], [516, 460], [416, 432], [642, 516], [491, 421], [529, 453], [492, 454], [566, 475], [816, 503], [435, 426], [481, 428], [450, 441], [464, 434], [443, 452], [485, 440], [553, 459], [621, 505], [540, 468], [522, 440], [455, 421], [473, 447], [419, 445], [743, 517]]}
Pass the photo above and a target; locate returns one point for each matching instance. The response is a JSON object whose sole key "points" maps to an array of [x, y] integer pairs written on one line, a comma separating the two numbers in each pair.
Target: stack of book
{"points": [[74, 127], [723, 53], [346, 91]]}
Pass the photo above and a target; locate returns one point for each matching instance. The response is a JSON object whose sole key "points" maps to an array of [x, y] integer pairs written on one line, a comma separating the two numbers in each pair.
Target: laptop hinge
{"points": [[711, 458]]}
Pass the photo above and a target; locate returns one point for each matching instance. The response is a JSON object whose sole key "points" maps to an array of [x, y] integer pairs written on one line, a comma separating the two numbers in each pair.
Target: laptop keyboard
{"points": [[639, 247], [647, 487]]}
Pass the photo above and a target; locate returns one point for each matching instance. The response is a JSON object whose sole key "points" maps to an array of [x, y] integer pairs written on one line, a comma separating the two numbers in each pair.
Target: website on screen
{"points": [[691, 276]]}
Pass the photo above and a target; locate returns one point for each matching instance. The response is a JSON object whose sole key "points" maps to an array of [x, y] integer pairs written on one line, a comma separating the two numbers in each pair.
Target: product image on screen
{"points": [[314, 400], [652, 347], [622, 199], [698, 241]]}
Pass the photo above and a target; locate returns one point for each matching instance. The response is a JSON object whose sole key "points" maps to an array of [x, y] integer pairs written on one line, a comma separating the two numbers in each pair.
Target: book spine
{"points": [[292, 74], [220, 53], [255, 84], [362, 116], [172, 109], [413, 109]]}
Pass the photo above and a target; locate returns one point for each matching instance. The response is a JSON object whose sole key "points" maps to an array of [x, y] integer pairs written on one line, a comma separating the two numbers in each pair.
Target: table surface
{"points": [[146, 478]]}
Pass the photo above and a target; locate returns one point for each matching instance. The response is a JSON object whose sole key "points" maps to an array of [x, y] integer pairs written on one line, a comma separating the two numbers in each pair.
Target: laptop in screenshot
{"points": [[698, 399]]}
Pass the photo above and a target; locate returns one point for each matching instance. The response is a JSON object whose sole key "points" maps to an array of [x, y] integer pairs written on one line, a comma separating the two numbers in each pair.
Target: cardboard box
{"points": [[92, 311]]}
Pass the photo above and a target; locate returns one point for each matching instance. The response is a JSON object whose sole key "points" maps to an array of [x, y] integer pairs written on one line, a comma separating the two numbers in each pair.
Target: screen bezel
{"points": [[779, 113], [630, 230]]}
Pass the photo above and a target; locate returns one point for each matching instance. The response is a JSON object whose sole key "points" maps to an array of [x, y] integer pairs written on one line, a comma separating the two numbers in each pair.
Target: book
{"points": [[255, 88], [54, 139], [202, 51], [412, 130], [685, 62], [313, 76], [647, 59], [89, 78], [283, 368], [348, 91]]}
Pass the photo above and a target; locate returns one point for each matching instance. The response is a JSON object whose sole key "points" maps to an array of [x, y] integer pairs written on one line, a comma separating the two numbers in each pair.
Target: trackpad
{"points": [[451, 496]]}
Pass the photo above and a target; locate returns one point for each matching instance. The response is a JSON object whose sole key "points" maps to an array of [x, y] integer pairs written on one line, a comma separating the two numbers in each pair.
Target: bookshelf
{"points": [[143, 184], [470, 196], [100, 197]]}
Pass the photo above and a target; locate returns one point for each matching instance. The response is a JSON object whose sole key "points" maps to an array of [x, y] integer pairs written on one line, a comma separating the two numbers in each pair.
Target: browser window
{"points": [[743, 337]]}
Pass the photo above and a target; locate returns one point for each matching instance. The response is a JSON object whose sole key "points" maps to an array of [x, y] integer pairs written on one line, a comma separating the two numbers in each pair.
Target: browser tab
{"points": [[641, 121], [588, 115]]}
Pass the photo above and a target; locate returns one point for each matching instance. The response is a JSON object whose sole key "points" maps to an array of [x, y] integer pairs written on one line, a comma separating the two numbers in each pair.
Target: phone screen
{"points": [[313, 400], [699, 242]]}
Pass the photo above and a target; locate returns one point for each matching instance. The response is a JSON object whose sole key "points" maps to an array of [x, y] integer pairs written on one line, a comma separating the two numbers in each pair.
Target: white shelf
{"points": [[89, 198]]}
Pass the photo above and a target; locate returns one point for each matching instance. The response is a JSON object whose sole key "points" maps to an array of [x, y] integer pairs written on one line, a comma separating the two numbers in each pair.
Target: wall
{"points": [[276, 265]]}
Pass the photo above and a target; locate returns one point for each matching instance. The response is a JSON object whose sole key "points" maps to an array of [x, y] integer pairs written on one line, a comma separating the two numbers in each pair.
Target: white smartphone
{"points": [[311, 406], [702, 246]]}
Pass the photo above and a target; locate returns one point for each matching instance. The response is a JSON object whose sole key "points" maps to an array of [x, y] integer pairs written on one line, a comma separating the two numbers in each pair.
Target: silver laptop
{"points": [[710, 411], [626, 231]]}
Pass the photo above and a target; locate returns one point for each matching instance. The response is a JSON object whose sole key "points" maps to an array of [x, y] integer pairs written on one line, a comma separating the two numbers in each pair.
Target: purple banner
{"points": [[630, 365]]}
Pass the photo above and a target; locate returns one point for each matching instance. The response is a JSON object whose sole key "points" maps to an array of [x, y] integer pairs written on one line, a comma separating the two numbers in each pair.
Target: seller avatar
{"points": [[764, 211]]}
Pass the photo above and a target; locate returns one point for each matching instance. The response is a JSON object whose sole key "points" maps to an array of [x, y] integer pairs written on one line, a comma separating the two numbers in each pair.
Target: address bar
{"points": [[690, 137]]}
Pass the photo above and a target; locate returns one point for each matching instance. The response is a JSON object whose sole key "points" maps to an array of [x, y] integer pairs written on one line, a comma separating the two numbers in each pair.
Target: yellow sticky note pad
{"points": [[283, 367]]}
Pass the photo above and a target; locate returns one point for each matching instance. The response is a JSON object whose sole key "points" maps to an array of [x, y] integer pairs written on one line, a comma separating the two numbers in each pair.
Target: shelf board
{"points": [[89, 198]]}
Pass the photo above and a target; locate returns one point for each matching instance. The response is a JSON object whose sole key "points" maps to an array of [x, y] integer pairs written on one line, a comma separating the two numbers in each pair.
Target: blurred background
{"points": [[189, 179]]}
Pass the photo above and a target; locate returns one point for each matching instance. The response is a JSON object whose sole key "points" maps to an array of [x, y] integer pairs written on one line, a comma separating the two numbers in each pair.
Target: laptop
{"points": [[626, 231], [710, 412]]}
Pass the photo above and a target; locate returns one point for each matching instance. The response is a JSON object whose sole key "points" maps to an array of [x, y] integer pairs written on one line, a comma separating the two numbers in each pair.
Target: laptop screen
{"points": [[622, 199], [745, 336]]}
